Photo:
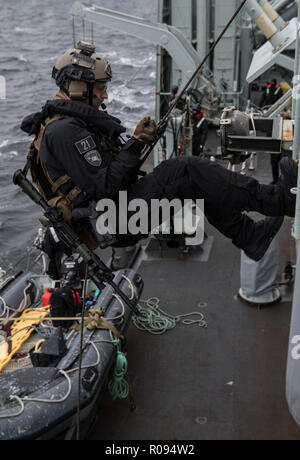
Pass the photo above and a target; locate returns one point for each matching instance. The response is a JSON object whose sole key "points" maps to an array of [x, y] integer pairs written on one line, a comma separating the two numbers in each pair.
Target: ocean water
{"points": [[32, 35]]}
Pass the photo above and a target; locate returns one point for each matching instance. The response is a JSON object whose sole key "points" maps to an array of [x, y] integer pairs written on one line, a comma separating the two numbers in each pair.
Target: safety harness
{"points": [[49, 189]]}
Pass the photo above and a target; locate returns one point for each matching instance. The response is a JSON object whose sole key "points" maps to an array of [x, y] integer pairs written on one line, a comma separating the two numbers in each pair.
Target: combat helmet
{"points": [[78, 69]]}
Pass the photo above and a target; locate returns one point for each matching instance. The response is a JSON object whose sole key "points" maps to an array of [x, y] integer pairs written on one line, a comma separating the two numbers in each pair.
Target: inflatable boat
{"points": [[44, 363]]}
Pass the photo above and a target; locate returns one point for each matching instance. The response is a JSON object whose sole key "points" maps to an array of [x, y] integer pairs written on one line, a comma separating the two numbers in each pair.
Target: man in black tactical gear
{"points": [[79, 159]]}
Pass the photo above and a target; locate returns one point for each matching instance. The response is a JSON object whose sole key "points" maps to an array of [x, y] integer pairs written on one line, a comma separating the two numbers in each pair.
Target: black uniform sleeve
{"points": [[79, 153]]}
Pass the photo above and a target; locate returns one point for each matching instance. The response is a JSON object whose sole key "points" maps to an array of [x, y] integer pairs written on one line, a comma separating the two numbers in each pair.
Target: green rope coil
{"points": [[154, 320], [151, 319], [118, 386]]}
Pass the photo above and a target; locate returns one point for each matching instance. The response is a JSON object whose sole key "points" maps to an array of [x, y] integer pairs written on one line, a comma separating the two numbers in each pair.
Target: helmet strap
{"points": [[90, 87], [65, 91]]}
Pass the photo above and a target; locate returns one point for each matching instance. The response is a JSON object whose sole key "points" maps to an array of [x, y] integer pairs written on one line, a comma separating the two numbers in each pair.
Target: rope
{"points": [[135, 74], [118, 387], [164, 120], [93, 320], [97, 360], [80, 354], [43, 335], [154, 320], [132, 287], [38, 345], [5, 308], [17, 413], [26, 299], [24, 303], [64, 373], [62, 399], [199, 68], [21, 400]]}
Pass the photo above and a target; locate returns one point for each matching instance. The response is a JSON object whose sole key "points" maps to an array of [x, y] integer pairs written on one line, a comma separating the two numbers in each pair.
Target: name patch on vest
{"points": [[93, 158], [85, 145]]}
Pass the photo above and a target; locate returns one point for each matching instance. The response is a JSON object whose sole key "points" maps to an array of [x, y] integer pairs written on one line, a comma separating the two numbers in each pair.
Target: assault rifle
{"points": [[98, 272]]}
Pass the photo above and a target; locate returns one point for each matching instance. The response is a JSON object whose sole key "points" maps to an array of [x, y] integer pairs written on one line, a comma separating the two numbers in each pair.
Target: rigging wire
{"points": [[163, 122], [81, 351], [73, 31], [83, 29], [92, 33], [199, 68]]}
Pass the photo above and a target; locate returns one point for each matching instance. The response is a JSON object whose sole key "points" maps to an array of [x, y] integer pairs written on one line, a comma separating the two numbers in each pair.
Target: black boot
{"points": [[263, 233], [252, 237], [287, 181]]}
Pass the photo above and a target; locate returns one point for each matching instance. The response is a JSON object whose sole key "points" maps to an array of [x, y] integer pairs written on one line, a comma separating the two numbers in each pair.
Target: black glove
{"points": [[145, 130]]}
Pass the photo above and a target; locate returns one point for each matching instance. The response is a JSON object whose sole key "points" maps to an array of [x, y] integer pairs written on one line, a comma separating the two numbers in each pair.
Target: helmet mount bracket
{"points": [[83, 32]]}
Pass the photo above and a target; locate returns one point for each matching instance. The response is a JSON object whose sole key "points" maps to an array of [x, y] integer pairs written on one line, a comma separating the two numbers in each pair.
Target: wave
{"points": [[4, 143], [49, 58], [111, 54], [24, 30], [22, 58], [9, 155], [13, 142], [135, 62]]}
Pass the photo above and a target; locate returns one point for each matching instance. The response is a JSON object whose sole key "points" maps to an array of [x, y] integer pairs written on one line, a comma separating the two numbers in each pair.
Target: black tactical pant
{"points": [[226, 195], [275, 160]]}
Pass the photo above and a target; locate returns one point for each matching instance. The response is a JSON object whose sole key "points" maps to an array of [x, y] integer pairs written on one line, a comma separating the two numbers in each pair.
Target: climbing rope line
{"points": [[80, 353], [134, 76]]}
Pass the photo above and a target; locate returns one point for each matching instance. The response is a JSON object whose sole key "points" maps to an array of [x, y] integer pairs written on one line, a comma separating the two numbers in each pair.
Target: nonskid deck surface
{"points": [[223, 382]]}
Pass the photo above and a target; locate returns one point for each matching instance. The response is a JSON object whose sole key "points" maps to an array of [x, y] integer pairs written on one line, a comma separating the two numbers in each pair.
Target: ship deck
{"points": [[223, 382]]}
